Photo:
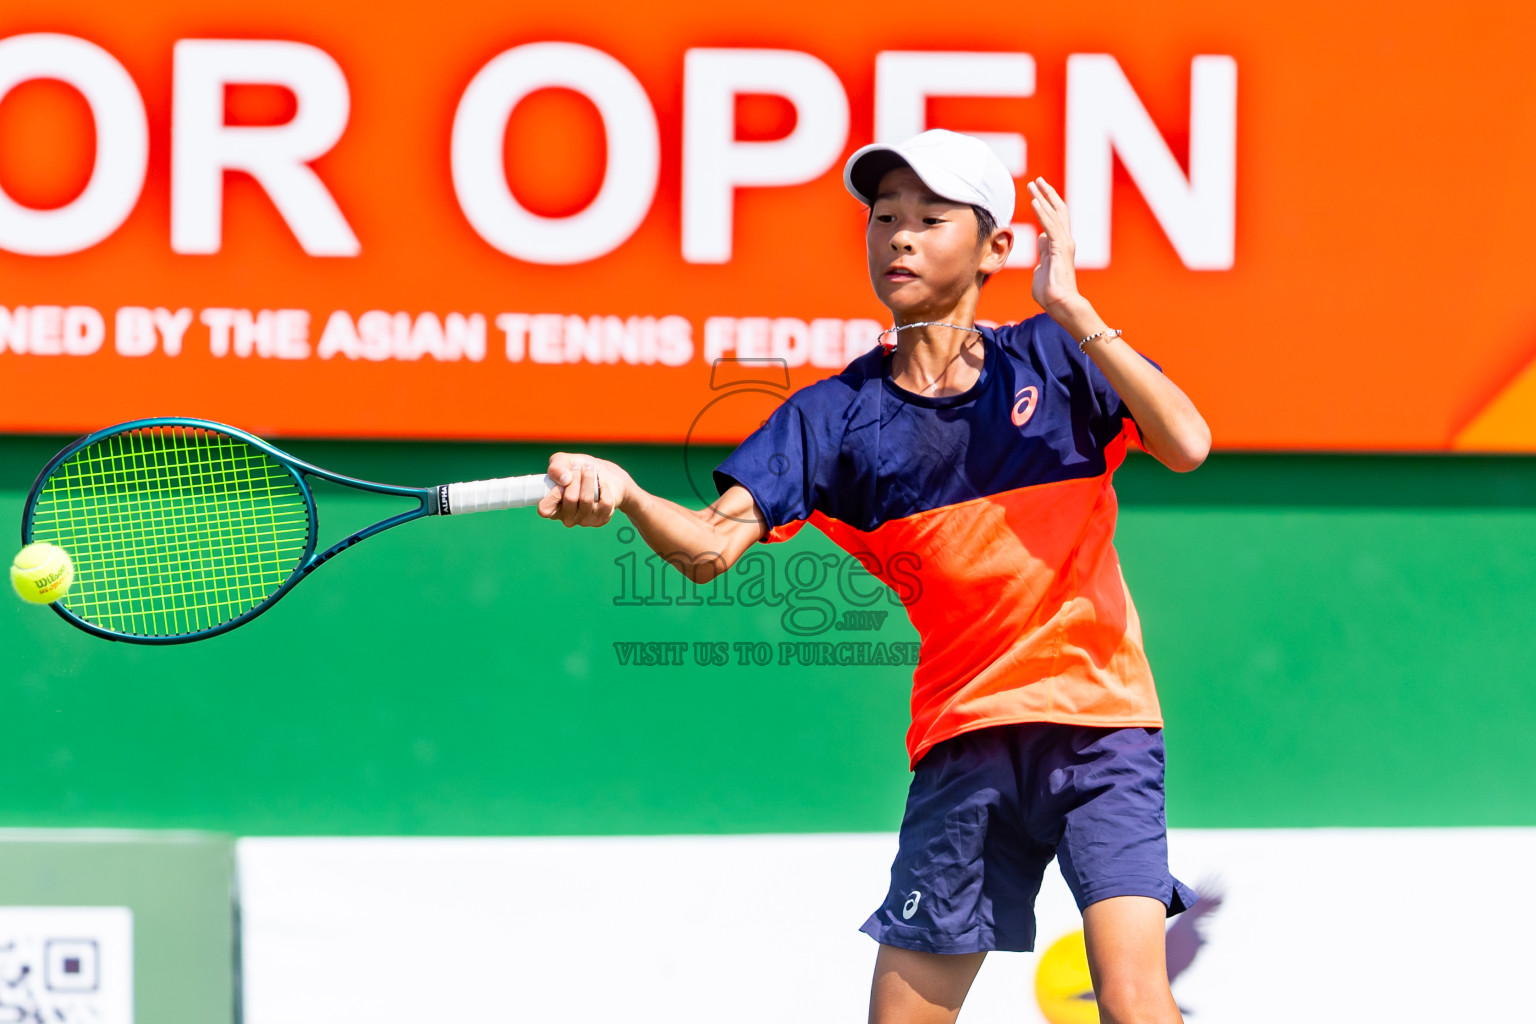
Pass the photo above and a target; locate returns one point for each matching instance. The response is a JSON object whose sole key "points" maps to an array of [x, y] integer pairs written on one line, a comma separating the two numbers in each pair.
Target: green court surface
{"points": [[1337, 641]]}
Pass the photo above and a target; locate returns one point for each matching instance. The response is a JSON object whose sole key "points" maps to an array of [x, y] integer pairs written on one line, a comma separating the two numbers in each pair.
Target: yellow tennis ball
{"points": [[42, 573], [1062, 983]]}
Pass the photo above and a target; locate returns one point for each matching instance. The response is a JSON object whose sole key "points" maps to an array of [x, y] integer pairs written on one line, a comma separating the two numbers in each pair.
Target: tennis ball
{"points": [[42, 573], [1063, 986]]}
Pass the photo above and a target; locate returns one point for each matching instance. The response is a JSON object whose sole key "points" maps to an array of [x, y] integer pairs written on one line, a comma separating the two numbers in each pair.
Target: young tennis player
{"points": [[987, 454]]}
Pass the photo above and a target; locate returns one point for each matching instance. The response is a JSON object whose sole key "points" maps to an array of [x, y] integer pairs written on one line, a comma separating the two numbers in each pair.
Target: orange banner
{"points": [[451, 220]]}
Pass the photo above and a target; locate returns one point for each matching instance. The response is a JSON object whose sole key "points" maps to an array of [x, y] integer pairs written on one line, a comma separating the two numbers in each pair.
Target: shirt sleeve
{"points": [[1109, 406], [779, 465]]}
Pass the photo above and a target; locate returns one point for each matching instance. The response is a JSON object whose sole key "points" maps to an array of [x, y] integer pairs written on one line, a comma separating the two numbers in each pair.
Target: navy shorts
{"points": [[989, 809]]}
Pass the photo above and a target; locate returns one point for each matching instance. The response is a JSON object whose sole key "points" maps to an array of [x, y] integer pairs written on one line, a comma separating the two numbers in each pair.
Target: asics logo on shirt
{"points": [[910, 907], [1024, 407]]}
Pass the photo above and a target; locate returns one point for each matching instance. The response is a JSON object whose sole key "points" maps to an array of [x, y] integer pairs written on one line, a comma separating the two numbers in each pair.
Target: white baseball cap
{"points": [[960, 168]]}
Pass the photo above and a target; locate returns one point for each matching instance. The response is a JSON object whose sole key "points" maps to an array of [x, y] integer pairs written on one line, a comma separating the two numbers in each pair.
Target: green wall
{"points": [[1337, 640]]}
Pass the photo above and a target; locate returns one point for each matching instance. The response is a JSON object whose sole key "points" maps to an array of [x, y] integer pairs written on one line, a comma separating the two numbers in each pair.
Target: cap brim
{"points": [[959, 168], [863, 171]]}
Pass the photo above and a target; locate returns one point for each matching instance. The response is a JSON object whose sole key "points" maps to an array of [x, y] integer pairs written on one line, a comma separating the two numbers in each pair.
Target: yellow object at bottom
{"points": [[1063, 986]]}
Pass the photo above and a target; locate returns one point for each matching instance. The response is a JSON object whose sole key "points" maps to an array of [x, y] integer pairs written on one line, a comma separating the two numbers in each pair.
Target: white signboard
{"points": [[1331, 926], [66, 965]]}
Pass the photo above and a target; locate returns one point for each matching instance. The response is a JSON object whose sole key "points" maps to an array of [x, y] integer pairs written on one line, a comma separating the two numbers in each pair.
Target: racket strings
{"points": [[173, 530]]}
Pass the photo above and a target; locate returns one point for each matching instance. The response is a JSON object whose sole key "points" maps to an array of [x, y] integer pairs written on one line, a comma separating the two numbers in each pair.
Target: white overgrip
{"points": [[488, 495]]}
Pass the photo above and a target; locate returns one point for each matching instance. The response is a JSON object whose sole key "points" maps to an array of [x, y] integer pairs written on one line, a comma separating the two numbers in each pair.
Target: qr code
{"points": [[66, 965]]}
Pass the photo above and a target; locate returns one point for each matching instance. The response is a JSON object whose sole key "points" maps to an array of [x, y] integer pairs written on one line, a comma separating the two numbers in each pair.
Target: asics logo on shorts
{"points": [[910, 907], [1024, 408]]}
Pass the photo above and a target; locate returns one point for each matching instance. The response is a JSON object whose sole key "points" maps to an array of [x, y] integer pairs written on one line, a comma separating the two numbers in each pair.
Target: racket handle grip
{"points": [[488, 495]]}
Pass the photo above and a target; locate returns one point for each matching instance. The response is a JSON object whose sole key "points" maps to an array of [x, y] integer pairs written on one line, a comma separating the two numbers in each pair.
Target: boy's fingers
{"points": [[588, 493], [560, 465], [1053, 222], [1046, 216], [578, 499], [1048, 204], [573, 477], [552, 503], [579, 496], [602, 499], [570, 496]]}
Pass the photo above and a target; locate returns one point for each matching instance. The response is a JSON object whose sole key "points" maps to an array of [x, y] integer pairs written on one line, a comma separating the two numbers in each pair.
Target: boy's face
{"points": [[924, 253]]}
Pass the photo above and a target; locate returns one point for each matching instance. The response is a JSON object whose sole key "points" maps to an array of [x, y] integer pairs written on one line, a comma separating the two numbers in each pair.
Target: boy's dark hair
{"points": [[985, 224]]}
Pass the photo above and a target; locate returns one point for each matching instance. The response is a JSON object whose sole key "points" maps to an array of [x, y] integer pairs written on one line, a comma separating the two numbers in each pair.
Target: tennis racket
{"points": [[182, 529]]}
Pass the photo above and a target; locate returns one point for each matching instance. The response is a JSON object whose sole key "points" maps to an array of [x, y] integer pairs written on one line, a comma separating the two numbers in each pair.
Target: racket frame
{"points": [[429, 498]]}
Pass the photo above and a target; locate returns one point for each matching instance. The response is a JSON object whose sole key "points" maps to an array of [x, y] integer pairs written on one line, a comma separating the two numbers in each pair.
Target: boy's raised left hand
{"points": [[1055, 283]]}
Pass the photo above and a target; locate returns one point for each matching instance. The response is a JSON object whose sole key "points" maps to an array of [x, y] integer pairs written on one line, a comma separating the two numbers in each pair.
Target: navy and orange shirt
{"points": [[1000, 497]]}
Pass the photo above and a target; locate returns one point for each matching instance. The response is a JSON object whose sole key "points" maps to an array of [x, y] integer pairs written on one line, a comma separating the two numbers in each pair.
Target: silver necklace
{"points": [[880, 338], [892, 346]]}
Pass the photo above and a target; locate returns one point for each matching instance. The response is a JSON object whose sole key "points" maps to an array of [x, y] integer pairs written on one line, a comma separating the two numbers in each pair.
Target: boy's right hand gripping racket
{"points": [[181, 529]]}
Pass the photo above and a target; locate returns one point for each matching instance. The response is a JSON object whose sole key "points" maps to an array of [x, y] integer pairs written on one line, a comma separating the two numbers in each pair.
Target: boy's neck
{"points": [[938, 361]]}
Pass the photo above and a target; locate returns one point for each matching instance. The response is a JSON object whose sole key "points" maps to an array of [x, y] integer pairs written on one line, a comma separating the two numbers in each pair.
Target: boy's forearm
{"points": [[674, 532], [1171, 428]]}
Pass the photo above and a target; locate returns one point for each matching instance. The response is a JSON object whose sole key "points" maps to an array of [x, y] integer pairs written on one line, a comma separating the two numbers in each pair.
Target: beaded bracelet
{"points": [[1107, 334]]}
